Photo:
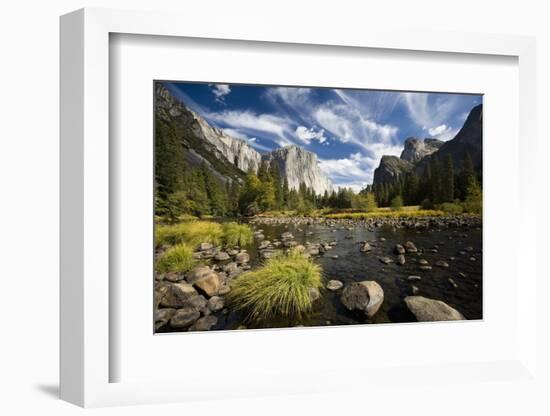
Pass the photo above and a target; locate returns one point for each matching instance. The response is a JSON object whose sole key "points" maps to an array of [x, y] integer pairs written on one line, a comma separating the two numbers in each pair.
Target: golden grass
{"points": [[190, 232], [279, 289], [388, 214]]}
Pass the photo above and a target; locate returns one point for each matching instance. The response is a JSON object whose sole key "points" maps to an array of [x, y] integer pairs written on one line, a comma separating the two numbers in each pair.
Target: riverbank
{"points": [[436, 258], [371, 222]]}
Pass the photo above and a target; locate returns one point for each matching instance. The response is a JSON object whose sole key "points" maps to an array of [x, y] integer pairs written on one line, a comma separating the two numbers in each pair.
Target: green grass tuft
{"points": [[176, 259], [237, 234], [279, 289]]}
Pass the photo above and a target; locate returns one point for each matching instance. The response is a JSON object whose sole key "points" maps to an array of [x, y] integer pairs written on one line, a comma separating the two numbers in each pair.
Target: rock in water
{"points": [[385, 260], [410, 247], [314, 293], [334, 285], [425, 309], [204, 323], [366, 296], [400, 259], [366, 248], [399, 249]]}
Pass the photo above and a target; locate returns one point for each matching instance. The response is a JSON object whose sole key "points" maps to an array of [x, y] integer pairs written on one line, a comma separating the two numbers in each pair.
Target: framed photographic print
{"points": [[285, 206], [276, 205]]}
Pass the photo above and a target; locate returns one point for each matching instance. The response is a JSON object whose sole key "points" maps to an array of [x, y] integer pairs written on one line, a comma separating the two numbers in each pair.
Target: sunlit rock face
{"points": [[417, 149], [300, 166]]}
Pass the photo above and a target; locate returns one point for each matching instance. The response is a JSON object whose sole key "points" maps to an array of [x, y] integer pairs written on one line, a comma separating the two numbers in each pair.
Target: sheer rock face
{"points": [[299, 166], [236, 151], [231, 158], [417, 149], [390, 169], [215, 141]]}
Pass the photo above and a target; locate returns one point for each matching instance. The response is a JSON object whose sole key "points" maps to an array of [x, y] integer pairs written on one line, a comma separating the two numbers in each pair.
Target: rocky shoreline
{"points": [[420, 223], [194, 301]]}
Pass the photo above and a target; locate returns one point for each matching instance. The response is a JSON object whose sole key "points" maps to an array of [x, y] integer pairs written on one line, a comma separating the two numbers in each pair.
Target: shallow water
{"points": [[353, 265]]}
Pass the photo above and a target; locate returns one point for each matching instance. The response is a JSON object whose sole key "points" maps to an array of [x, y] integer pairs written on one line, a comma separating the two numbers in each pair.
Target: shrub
{"points": [[279, 289], [451, 208], [191, 232], [427, 204], [474, 199], [386, 214], [396, 203], [176, 259], [237, 234]]}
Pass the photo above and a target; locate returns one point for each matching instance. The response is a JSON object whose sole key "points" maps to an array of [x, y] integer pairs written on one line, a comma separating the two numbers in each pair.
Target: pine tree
{"points": [[468, 176], [286, 192], [435, 181], [276, 180], [448, 183]]}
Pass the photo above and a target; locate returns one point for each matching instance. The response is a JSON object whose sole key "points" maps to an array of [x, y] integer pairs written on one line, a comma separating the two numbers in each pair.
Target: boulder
{"points": [[205, 246], [410, 247], [366, 247], [197, 303], [399, 249], [314, 293], [205, 279], [423, 262], [413, 278], [215, 303], [162, 316], [184, 317], [385, 260], [334, 285], [425, 309], [366, 296], [221, 256], [174, 295], [442, 263], [400, 259], [204, 323], [242, 258], [287, 236], [264, 244]]}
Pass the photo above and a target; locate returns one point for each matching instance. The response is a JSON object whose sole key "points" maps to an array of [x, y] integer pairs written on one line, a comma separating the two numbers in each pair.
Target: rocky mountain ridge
{"points": [[229, 157], [417, 153]]}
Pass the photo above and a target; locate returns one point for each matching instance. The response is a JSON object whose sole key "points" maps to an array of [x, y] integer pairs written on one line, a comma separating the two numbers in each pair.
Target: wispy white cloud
{"points": [[249, 120], [357, 168], [307, 135], [442, 132], [429, 110], [220, 91]]}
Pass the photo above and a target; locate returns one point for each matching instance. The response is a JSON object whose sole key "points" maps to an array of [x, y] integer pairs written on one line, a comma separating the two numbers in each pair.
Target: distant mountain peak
{"points": [[416, 149]]}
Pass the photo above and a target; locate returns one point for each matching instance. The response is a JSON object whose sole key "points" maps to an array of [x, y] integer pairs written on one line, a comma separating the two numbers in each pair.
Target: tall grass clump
{"points": [[189, 232], [176, 259], [237, 234], [452, 208], [279, 289]]}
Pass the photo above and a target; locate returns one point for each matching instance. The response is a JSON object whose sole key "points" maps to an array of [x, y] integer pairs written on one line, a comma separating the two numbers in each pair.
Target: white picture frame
{"points": [[85, 212]]}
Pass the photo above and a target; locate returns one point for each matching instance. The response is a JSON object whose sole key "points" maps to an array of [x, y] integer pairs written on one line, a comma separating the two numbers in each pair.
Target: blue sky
{"points": [[349, 130]]}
